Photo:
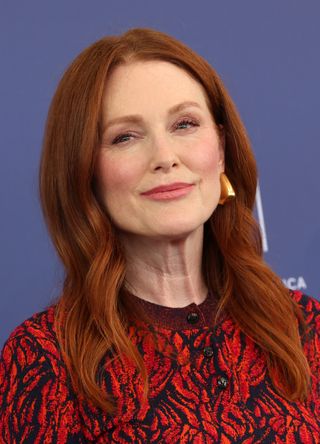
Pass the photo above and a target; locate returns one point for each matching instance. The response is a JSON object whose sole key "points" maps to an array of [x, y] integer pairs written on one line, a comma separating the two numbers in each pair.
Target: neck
{"points": [[165, 271]]}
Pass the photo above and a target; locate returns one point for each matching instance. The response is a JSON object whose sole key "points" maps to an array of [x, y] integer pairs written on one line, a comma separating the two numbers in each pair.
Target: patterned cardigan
{"points": [[214, 388]]}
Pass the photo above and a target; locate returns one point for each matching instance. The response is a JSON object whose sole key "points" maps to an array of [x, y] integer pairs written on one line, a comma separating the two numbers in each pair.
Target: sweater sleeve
{"points": [[312, 347], [34, 408], [311, 343]]}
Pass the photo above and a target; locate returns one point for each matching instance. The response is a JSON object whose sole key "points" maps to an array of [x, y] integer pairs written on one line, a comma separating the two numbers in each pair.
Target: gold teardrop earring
{"points": [[227, 191]]}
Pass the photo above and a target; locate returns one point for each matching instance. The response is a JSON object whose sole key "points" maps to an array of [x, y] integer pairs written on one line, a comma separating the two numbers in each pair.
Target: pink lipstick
{"points": [[170, 191]]}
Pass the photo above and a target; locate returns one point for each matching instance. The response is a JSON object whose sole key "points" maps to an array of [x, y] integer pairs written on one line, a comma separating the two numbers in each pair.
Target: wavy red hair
{"points": [[91, 311]]}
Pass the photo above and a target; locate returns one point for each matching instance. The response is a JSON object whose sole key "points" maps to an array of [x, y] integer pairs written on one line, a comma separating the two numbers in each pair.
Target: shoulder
{"points": [[310, 333], [40, 321], [39, 328], [35, 397], [34, 338], [305, 300], [310, 308]]}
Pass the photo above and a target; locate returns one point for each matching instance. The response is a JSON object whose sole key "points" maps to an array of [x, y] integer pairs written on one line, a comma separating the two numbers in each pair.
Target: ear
{"points": [[222, 146]]}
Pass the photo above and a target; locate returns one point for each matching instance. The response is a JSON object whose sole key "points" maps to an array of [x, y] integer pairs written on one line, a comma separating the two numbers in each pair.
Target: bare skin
{"points": [[158, 130], [166, 272]]}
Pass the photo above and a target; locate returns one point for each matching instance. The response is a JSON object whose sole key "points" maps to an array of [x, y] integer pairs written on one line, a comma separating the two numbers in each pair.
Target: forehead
{"points": [[150, 84]]}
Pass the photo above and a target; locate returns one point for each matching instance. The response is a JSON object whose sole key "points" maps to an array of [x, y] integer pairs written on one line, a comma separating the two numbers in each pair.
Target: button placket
{"points": [[193, 317], [208, 351], [223, 382]]}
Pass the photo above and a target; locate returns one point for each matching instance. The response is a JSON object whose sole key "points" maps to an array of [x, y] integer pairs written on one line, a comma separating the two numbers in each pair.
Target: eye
{"points": [[186, 123], [122, 138]]}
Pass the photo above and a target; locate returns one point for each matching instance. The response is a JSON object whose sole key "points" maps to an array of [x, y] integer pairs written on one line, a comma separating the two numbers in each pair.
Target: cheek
{"points": [[115, 175], [207, 159]]}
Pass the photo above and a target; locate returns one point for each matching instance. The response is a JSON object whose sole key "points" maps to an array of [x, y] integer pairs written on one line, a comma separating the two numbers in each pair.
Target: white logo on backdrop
{"points": [[294, 283], [261, 220]]}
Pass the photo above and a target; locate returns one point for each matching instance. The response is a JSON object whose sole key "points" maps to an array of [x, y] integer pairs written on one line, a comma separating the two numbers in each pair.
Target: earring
{"points": [[227, 191]]}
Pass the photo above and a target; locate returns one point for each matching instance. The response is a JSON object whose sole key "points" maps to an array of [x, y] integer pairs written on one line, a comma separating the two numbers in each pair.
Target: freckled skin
{"points": [[157, 153], [162, 240]]}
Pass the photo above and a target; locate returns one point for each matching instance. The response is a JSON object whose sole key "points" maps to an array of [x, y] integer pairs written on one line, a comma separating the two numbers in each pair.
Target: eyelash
{"points": [[117, 140]]}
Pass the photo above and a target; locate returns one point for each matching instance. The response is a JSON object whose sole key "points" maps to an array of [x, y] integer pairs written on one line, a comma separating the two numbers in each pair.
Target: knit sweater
{"points": [[216, 390]]}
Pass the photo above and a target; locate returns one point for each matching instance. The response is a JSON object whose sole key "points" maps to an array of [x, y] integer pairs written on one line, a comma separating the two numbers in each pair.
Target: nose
{"points": [[164, 156]]}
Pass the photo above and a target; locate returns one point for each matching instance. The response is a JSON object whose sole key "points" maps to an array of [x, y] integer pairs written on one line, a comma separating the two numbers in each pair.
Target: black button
{"points": [[223, 382], [193, 317], [208, 352]]}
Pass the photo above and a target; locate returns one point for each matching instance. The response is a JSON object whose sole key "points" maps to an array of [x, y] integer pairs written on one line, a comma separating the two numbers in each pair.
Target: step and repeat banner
{"points": [[267, 54]]}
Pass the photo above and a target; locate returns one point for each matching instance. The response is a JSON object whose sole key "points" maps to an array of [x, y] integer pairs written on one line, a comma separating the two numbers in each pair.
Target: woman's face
{"points": [[158, 130]]}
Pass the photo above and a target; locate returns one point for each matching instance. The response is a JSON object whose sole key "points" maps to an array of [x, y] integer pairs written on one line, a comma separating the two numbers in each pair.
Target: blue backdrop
{"points": [[267, 53]]}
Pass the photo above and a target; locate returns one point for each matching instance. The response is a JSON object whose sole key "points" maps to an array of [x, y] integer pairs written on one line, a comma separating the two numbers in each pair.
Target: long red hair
{"points": [[90, 318]]}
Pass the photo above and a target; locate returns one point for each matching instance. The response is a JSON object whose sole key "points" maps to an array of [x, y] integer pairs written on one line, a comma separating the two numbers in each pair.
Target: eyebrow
{"points": [[136, 118]]}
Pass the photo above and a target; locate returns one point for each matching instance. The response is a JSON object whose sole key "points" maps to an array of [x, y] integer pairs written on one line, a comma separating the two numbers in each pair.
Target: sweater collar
{"points": [[192, 316]]}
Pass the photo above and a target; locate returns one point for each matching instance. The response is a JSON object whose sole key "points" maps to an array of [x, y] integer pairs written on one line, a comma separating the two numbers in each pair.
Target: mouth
{"points": [[168, 192], [170, 187]]}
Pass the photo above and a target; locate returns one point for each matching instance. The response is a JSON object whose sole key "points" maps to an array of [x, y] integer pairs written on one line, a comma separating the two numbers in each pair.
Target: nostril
{"points": [[166, 166]]}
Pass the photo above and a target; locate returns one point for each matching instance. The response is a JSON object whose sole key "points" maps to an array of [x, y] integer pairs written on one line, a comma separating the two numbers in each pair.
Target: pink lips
{"points": [[169, 191]]}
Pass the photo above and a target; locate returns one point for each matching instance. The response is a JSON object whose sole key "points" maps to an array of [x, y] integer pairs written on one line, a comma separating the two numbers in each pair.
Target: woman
{"points": [[170, 327]]}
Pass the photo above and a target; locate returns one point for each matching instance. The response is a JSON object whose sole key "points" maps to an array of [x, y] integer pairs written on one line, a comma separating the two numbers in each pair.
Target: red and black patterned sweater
{"points": [[217, 390]]}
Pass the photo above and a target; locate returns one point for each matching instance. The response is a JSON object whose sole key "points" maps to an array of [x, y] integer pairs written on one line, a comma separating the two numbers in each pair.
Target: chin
{"points": [[175, 231], [170, 227]]}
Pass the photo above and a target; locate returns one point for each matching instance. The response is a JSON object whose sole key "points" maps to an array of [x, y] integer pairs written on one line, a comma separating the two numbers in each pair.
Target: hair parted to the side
{"points": [[90, 318]]}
